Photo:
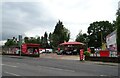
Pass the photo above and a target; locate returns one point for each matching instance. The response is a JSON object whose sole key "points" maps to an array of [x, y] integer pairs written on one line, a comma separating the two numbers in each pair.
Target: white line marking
{"points": [[12, 74], [8, 65]]}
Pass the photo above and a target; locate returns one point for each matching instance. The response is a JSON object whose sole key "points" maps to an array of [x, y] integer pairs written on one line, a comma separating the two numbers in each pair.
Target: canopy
{"points": [[72, 43]]}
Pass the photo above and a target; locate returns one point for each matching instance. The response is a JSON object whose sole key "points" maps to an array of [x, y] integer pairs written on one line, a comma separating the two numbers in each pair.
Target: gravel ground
{"points": [[55, 56]]}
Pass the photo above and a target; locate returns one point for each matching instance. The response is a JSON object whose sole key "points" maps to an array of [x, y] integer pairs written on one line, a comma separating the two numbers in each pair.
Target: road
{"points": [[28, 66]]}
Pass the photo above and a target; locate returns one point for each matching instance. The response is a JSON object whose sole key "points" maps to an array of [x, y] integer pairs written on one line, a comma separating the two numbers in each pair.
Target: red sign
{"points": [[104, 53], [24, 48], [81, 54]]}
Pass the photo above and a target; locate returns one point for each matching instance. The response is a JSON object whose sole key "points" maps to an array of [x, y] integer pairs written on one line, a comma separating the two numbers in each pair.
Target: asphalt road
{"points": [[28, 66]]}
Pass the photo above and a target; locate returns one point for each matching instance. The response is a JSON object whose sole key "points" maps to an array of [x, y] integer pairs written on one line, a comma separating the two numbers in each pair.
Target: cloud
{"points": [[78, 14], [21, 17], [34, 17]]}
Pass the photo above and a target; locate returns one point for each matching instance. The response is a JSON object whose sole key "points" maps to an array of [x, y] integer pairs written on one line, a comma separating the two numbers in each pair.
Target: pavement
{"points": [[64, 57], [74, 57]]}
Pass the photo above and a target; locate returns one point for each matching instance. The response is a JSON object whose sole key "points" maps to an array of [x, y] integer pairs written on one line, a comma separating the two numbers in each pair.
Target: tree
{"points": [[45, 37], [38, 40], [118, 30], [11, 42], [32, 40], [42, 42], [60, 34], [80, 37], [45, 40], [98, 31], [50, 40], [66, 34], [26, 39], [50, 37]]}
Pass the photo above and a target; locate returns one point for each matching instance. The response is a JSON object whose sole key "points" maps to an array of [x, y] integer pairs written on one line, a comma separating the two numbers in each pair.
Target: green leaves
{"points": [[32, 40], [98, 31], [60, 34], [118, 32], [82, 37], [11, 42], [86, 53]]}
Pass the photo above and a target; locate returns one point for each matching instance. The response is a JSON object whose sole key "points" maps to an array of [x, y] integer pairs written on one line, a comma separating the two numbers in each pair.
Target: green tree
{"points": [[42, 42], [60, 34], [45, 41], [66, 34], [38, 40], [32, 40], [26, 39], [118, 30], [11, 42], [50, 40], [98, 31], [80, 37]]}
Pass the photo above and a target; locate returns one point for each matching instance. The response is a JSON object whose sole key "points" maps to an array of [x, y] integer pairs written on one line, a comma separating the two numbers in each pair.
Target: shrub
{"points": [[86, 53]]}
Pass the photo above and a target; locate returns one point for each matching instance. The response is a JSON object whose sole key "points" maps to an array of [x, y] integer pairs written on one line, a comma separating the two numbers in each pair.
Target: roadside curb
{"points": [[103, 63]]}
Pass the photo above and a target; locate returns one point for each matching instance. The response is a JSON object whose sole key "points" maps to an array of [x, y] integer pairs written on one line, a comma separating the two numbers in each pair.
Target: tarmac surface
{"points": [[55, 65]]}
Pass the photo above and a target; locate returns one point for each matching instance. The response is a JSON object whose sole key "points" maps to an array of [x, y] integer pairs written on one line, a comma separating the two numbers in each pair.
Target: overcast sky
{"points": [[34, 17]]}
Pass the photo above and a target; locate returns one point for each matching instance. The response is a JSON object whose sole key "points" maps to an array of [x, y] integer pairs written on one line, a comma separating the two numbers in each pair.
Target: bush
{"points": [[86, 53]]}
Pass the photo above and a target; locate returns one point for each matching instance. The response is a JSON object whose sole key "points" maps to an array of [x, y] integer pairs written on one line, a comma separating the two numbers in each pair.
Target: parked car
{"points": [[41, 50], [45, 51], [49, 50]]}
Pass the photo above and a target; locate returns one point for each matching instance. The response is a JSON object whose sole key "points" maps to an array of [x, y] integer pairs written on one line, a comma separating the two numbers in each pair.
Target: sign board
{"points": [[111, 41], [24, 48], [104, 53]]}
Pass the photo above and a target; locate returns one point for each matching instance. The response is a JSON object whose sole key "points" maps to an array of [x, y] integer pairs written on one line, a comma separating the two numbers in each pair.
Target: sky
{"points": [[33, 17]]}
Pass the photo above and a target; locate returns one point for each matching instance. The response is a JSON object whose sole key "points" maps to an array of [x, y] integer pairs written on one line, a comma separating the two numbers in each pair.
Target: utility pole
{"points": [[20, 43]]}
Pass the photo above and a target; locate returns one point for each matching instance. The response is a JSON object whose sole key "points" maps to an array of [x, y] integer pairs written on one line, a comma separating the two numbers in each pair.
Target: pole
{"points": [[20, 43], [20, 50]]}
